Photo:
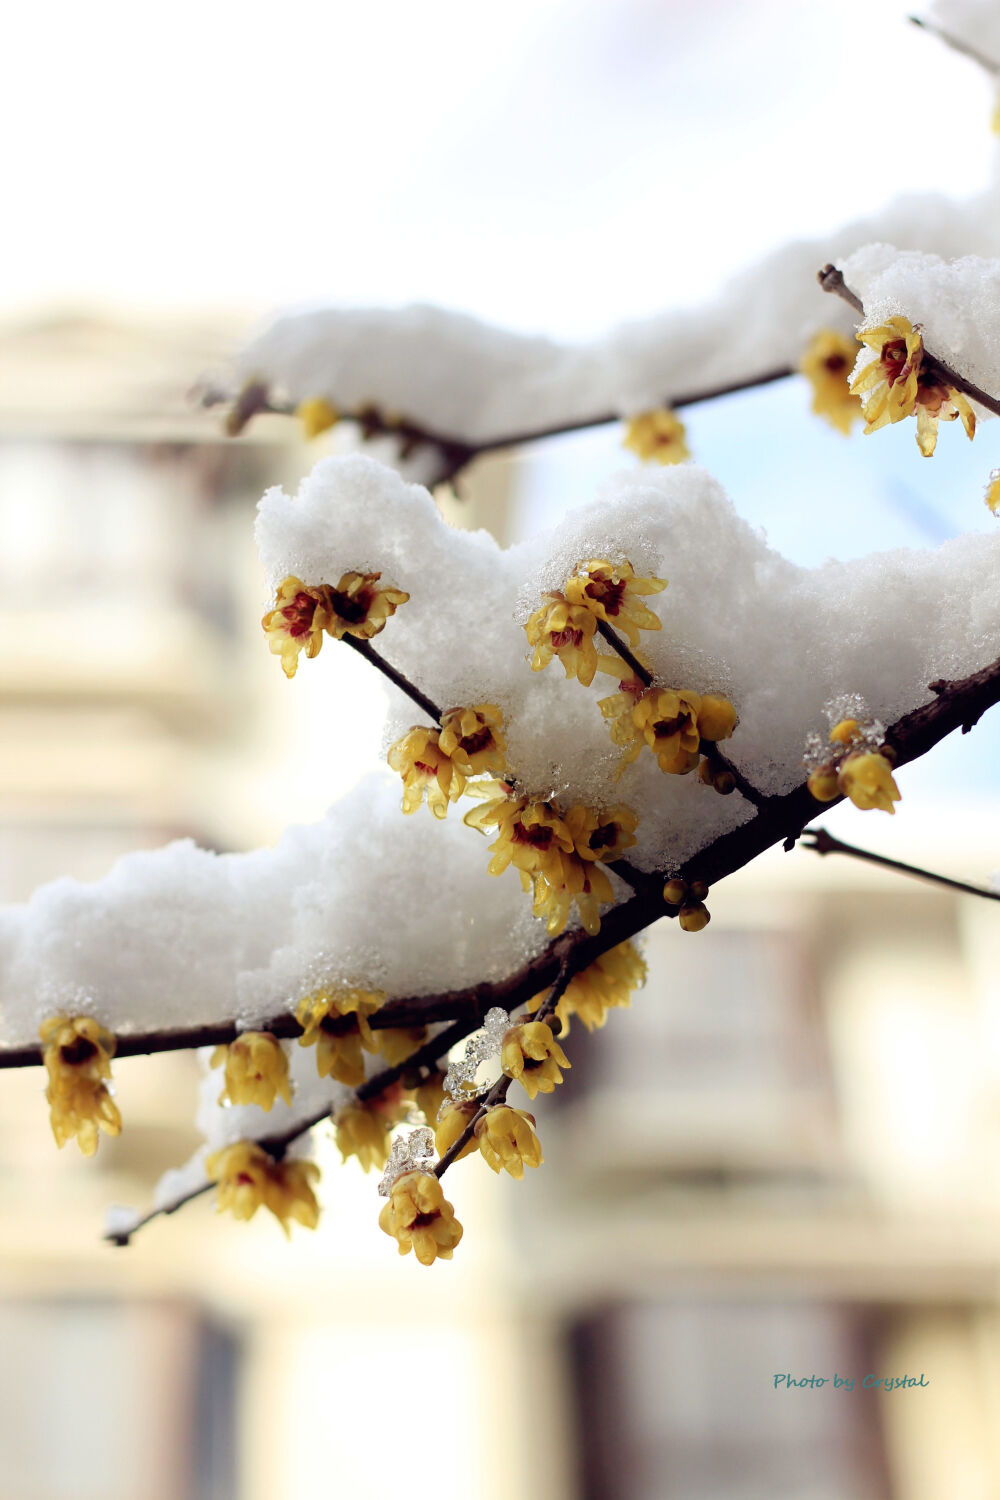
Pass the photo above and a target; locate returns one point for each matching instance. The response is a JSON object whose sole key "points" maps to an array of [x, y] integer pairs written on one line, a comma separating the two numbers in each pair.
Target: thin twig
{"points": [[832, 280], [498, 1092], [715, 757], [254, 400], [367, 650], [615, 641], [822, 842], [956, 44]]}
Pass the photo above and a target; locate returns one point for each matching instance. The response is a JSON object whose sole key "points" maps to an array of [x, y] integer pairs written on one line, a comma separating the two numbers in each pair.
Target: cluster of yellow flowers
{"points": [[598, 591], [605, 984], [439, 762], [555, 854], [249, 1177], [77, 1054], [304, 613], [693, 915], [855, 770], [671, 722], [901, 381], [657, 435], [827, 363]]}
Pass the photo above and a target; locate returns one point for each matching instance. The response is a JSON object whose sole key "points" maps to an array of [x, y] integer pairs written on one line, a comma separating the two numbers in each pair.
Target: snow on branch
{"points": [[442, 380]]}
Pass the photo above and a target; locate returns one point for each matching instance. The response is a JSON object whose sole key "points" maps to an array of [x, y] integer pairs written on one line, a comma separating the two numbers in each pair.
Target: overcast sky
{"points": [[552, 164]]}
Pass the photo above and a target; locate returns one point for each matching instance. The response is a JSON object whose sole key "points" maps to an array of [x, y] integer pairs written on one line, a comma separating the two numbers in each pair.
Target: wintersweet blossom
{"points": [[566, 630], [256, 1070], [472, 738], [316, 416], [297, 622], [361, 609], [507, 1140], [336, 1023], [77, 1054], [530, 833], [611, 591], [658, 435], [426, 768], [601, 834], [827, 363], [397, 1043], [668, 723], [566, 880], [531, 1056], [454, 1118], [867, 779], [602, 986], [900, 381], [429, 1097], [993, 492], [249, 1178], [361, 1129], [420, 1218]]}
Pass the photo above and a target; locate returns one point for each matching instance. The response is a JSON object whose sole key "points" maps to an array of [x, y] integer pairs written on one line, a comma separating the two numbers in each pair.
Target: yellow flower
{"points": [[844, 731], [429, 1097], [602, 986], [359, 608], [290, 1194], [900, 381], [426, 767], [668, 722], [420, 1218], [717, 718], [531, 1055], [993, 492], [827, 362], [297, 622], [507, 1140], [694, 918], [657, 435], [249, 1178], [77, 1054], [567, 631], [454, 1118], [256, 1070], [867, 779], [316, 416], [601, 835], [567, 879], [362, 1130], [531, 834], [823, 783], [611, 591], [397, 1043], [337, 1024], [471, 738]]}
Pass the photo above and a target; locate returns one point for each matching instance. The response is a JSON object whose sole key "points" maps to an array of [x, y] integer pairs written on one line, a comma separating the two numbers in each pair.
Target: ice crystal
{"points": [[460, 1079], [410, 1153]]}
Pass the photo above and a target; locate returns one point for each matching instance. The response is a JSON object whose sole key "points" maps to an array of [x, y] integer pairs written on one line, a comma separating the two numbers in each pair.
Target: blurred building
{"points": [[780, 1162]]}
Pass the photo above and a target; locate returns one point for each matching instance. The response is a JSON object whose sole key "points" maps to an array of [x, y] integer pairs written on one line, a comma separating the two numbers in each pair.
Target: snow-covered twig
{"points": [[831, 280]]}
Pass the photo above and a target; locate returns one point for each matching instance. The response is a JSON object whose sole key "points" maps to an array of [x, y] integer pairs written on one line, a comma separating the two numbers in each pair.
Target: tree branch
{"points": [[956, 44], [367, 650], [254, 400], [821, 842], [832, 280], [779, 818]]}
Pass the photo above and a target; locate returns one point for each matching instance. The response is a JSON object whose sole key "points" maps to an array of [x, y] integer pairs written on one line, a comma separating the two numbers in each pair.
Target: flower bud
{"points": [[694, 918]]}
